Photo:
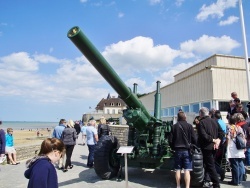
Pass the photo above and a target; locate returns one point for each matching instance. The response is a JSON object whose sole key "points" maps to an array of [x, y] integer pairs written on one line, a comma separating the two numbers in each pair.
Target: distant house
{"points": [[111, 107]]}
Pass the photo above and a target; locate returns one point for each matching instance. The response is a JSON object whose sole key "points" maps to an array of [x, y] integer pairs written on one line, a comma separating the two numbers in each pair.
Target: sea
{"points": [[26, 125]]}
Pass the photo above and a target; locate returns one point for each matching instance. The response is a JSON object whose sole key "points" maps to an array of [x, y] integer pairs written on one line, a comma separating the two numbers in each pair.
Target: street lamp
{"points": [[245, 46]]}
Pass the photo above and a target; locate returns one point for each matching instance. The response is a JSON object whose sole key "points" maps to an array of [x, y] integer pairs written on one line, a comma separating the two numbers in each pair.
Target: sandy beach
{"points": [[24, 137]]}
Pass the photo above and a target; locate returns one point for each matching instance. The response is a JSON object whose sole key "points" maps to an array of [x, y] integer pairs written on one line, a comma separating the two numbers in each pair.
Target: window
{"points": [[177, 110], [171, 112], [223, 106], [113, 111], [206, 104], [108, 112], [195, 108], [165, 112], [185, 108], [112, 104]]}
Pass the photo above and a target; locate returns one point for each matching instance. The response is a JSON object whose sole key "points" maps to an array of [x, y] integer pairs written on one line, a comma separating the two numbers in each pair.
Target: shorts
{"points": [[183, 160], [10, 149]]}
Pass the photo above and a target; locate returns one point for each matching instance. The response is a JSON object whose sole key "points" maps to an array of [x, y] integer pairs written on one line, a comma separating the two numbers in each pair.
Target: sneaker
{"points": [[2, 159], [207, 184]]}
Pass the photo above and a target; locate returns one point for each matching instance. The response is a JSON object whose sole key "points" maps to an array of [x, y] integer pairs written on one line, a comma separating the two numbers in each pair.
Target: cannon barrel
{"points": [[136, 115]]}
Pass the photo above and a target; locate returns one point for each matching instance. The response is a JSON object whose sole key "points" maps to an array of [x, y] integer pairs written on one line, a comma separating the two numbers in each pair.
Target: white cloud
{"points": [[230, 20], [83, 1], [207, 45], [167, 77], [51, 49], [20, 61], [43, 58], [139, 52], [120, 15], [154, 2], [179, 2], [215, 10]]}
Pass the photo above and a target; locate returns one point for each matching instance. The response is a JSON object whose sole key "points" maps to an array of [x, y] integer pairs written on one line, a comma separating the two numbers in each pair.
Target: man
{"points": [[210, 135], [239, 109], [182, 134], [92, 139], [234, 95], [57, 133]]}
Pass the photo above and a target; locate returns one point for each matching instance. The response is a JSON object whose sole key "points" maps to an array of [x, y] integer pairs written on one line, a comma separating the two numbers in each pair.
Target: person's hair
{"points": [[103, 120], [51, 144], [62, 121], [204, 111], [91, 122], [9, 130], [233, 94], [217, 114], [181, 116], [232, 120], [1, 122], [239, 105], [238, 117], [237, 100], [71, 123]]}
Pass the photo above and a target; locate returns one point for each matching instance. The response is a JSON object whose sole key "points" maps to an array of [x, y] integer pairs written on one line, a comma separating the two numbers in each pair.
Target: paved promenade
{"points": [[11, 176]]}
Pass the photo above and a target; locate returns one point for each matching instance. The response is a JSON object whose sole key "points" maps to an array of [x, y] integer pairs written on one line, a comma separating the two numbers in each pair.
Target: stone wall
{"points": [[27, 152], [121, 132]]}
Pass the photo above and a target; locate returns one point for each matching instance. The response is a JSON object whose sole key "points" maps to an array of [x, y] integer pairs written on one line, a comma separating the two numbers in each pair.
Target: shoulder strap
{"points": [[184, 133]]}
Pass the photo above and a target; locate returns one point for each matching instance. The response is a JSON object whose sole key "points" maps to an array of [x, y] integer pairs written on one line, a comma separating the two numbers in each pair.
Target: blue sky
{"points": [[44, 77]]}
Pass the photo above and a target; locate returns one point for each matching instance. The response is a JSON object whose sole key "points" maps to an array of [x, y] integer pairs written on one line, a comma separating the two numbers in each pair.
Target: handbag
{"points": [[240, 141], [192, 147]]}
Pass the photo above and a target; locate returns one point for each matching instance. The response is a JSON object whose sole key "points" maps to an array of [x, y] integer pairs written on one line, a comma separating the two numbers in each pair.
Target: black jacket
{"points": [[177, 139], [103, 129], [209, 129]]}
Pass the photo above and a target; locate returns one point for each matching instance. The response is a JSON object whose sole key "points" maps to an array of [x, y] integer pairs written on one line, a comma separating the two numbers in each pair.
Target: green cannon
{"points": [[148, 134]]}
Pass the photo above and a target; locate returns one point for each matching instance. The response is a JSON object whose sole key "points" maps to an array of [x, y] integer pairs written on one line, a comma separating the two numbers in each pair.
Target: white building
{"points": [[208, 83]]}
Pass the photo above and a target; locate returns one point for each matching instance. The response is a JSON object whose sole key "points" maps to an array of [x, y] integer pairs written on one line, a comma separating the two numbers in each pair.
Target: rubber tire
{"points": [[197, 175], [105, 161]]}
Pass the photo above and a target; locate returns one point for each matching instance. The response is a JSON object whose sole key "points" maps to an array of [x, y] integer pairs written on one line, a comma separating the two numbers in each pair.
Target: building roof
{"points": [[110, 102]]}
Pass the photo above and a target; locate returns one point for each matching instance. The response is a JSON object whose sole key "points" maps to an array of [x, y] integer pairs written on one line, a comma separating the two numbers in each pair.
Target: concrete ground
{"points": [[11, 176]]}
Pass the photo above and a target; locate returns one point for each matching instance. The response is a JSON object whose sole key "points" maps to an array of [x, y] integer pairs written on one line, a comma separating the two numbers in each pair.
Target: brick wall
{"points": [[121, 132]]}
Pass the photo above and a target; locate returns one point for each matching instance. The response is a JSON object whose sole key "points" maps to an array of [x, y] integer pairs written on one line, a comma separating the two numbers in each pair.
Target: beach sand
{"points": [[25, 137]]}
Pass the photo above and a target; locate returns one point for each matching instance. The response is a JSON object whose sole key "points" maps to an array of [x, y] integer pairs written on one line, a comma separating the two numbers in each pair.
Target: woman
{"points": [[69, 136], [235, 155], [9, 149], [41, 171], [103, 128]]}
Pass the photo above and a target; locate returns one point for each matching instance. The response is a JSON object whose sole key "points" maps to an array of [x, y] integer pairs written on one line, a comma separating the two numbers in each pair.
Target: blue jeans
{"points": [[247, 154], [90, 162], [182, 160], [238, 170]]}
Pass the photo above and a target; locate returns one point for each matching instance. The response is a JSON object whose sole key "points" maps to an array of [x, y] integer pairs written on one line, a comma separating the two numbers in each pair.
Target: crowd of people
{"points": [[213, 136], [210, 132], [57, 151]]}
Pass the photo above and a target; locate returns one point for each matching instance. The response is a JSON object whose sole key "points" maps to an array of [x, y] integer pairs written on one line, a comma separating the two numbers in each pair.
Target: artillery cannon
{"points": [[148, 134]]}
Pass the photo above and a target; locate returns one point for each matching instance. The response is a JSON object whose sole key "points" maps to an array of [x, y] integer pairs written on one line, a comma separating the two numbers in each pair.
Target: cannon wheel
{"points": [[106, 161]]}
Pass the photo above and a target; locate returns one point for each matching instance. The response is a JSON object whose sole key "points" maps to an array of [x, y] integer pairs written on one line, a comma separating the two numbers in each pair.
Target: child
{"points": [[41, 171], [2, 145], [9, 149]]}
